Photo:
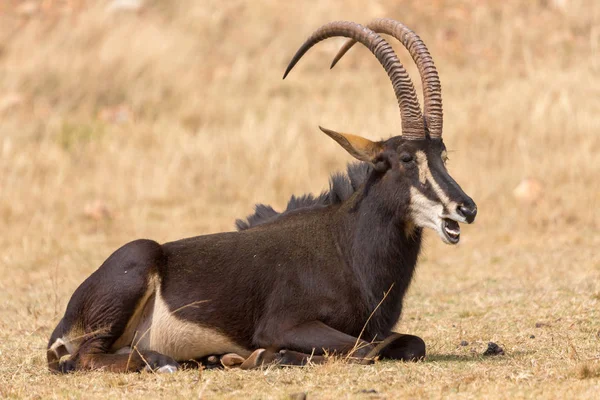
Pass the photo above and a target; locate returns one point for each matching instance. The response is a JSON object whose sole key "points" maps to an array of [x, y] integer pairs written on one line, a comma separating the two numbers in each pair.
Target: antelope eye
{"points": [[406, 157]]}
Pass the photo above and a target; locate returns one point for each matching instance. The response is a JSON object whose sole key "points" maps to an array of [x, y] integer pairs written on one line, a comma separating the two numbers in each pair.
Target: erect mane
{"points": [[341, 187]]}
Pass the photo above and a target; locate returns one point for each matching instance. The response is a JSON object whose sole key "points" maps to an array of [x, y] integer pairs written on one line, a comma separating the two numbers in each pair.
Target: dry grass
{"points": [[173, 121]]}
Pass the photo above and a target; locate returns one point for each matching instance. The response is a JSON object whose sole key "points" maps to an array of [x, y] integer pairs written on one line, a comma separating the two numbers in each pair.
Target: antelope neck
{"points": [[374, 245]]}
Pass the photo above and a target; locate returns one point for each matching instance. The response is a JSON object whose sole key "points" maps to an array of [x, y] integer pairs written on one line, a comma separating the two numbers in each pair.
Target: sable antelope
{"points": [[292, 286]]}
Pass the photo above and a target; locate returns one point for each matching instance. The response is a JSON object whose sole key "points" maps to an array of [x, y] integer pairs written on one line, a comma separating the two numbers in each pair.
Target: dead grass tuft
{"points": [[588, 371]]}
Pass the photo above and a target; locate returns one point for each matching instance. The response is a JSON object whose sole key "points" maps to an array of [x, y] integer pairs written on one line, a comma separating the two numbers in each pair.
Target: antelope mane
{"points": [[341, 187]]}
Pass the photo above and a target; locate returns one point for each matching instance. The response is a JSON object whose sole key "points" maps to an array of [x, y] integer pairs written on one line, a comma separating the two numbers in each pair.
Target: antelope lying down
{"points": [[293, 286]]}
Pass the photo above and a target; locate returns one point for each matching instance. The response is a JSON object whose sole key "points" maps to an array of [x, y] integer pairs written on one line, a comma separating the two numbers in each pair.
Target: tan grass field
{"points": [[173, 121]]}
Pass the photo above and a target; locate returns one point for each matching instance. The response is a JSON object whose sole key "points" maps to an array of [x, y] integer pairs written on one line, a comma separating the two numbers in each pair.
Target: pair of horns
{"points": [[415, 125]]}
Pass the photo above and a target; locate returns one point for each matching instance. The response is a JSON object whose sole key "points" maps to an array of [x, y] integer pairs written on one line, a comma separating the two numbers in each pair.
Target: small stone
{"points": [[561, 5], [27, 8], [97, 210], [532, 337], [493, 350], [10, 100], [529, 191], [120, 114], [368, 391], [125, 5], [541, 324], [464, 343]]}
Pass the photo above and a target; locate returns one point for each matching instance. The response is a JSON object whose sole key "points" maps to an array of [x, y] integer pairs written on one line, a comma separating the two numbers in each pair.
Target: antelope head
{"points": [[412, 166]]}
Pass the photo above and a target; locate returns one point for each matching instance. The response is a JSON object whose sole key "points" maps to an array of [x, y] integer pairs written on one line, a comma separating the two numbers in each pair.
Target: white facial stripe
{"points": [[422, 166], [426, 213], [424, 169], [425, 175]]}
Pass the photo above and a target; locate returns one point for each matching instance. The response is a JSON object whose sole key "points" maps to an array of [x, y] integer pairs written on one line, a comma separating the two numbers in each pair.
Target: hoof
{"points": [[232, 360], [255, 360], [160, 363], [167, 369], [67, 366], [404, 347]]}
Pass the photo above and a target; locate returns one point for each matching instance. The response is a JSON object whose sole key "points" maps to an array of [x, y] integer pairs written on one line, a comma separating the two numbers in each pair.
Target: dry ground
{"points": [[172, 121]]}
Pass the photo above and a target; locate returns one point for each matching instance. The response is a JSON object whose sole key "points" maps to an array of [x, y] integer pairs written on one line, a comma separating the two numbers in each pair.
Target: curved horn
{"points": [[432, 89], [410, 111]]}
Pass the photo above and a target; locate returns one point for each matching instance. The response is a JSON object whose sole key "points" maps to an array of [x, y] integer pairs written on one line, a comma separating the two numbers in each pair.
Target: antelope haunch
{"points": [[293, 286]]}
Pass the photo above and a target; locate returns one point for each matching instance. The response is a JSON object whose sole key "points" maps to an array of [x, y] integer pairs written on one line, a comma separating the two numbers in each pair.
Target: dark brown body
{"points": [[239, 291], [271, 288]]}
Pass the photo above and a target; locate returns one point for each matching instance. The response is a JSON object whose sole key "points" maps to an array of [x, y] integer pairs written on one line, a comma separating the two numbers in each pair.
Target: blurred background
{"points": [[122, 119]]}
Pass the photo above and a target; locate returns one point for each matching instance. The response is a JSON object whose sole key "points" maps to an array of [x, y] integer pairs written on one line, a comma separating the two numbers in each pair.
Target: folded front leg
{"points": [[403, 347], [316, 338]]}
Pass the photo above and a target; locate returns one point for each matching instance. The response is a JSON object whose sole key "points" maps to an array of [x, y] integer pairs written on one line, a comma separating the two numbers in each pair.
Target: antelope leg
{"points": [[317, 338], [403, 347], [91, 355]]}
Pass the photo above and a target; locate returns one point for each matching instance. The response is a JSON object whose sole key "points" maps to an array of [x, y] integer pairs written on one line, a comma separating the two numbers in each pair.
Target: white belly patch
{"points": [[180, 339]]}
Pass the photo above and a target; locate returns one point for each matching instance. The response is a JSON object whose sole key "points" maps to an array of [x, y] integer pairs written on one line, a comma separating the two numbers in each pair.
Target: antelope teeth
{"points": [[452, 230]]}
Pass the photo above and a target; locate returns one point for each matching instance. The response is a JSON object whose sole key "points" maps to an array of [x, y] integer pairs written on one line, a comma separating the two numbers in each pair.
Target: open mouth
{"points": [[451, 230]]}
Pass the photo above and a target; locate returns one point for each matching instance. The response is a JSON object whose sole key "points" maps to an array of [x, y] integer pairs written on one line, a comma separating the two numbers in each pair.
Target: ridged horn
{"points": [[410, 110], [432, 89]]}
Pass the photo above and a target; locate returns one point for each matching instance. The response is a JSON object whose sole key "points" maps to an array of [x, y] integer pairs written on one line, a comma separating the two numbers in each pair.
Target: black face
{"points": [[436, 200]]}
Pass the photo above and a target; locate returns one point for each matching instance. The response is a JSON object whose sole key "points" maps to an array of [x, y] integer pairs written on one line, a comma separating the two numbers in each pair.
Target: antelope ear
{"points": [[359, 147]]}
